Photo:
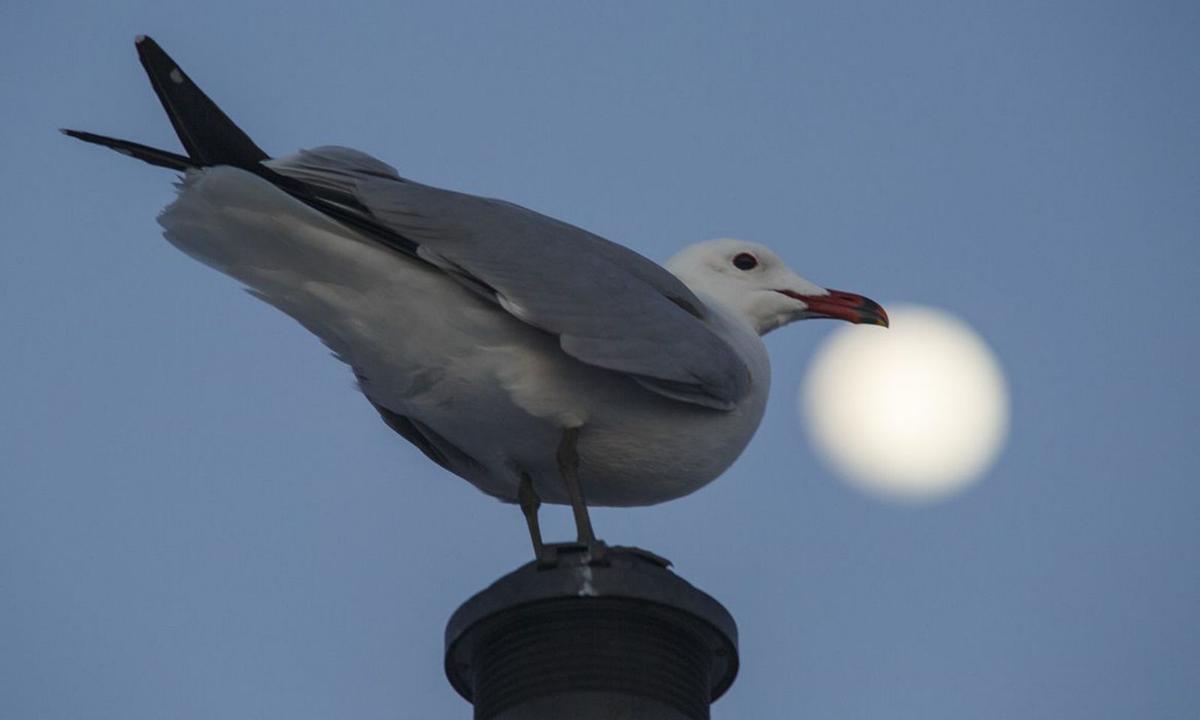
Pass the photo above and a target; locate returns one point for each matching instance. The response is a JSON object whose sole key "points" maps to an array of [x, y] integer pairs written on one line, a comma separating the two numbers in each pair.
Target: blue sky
{"points": [[200, 518]]}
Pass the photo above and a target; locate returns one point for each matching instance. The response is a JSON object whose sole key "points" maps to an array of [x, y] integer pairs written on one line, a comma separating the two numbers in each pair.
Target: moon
{"points": [[914, 412]]}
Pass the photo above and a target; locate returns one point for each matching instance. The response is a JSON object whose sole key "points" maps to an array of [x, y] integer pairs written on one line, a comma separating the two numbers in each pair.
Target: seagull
{"points": [[532, 358]]}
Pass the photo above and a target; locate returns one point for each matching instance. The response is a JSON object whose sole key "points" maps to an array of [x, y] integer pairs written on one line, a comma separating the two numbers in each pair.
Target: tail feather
{"points": [[207, 133]]}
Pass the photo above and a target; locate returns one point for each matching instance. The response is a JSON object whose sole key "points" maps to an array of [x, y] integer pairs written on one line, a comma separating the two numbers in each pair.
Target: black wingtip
{"points": [[147, 49], [207, 133], [77, 134], [145, 153]]}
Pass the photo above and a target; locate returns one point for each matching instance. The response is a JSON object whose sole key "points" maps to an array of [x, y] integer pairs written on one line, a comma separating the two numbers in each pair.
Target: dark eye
{"points": [[745, 261]]}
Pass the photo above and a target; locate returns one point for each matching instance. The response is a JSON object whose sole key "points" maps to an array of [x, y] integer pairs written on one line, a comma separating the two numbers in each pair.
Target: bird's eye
{"points": [[745, 261]]}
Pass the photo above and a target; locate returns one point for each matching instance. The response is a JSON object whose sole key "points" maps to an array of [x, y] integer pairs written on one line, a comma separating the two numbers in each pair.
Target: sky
{"points": [[199, 517]]}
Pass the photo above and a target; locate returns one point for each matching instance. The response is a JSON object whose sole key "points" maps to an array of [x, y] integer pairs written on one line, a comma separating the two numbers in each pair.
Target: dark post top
{"points": [[584, 637]]}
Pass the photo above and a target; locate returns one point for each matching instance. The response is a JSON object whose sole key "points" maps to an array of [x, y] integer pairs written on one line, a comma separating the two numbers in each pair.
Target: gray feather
{"points": [[609, 306]]}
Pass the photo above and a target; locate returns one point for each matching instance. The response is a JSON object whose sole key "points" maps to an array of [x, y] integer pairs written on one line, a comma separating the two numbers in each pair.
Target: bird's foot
{"points": [[585, 553]]}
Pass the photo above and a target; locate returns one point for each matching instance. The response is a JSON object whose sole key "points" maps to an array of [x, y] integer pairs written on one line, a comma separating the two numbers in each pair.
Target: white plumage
{"points": [[532, 358], [492, 386]]}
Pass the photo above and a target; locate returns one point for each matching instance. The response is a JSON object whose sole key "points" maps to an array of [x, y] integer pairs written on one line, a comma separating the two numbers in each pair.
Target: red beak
{"points": [[843, 306]]}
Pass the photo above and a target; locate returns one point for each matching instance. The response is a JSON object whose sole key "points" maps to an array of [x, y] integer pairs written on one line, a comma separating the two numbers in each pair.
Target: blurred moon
{"points": [[916, 412]]}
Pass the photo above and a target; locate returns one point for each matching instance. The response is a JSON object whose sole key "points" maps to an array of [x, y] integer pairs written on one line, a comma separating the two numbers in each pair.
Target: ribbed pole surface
{"points": [[620, 639], [592, 645]]}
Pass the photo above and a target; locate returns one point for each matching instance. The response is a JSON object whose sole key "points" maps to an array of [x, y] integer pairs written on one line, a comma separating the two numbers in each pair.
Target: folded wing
{"points": [[609, 306]]}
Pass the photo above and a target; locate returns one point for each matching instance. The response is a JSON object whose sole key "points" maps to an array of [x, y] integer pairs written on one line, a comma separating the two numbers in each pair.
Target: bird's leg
{"points": [[530, 503], [568, 467]]}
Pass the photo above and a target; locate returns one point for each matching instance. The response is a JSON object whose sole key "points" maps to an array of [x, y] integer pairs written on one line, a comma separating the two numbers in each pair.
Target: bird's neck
{"points": [[729, 314], [759, 314]]}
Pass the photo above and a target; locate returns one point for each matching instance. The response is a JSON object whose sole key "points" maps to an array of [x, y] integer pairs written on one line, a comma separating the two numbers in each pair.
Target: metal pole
{"points": [[620, 637]]}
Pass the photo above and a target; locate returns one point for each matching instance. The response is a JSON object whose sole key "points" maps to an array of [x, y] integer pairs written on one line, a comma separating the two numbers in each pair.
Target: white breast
{"points": [[425, 347]]}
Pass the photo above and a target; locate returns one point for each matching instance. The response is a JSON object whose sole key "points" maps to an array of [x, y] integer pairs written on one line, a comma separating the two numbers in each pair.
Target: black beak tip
{"points": [[874, 314]]}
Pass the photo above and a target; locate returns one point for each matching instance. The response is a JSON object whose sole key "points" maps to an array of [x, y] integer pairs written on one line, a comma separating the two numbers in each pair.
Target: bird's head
{"points": [[751, 280]]}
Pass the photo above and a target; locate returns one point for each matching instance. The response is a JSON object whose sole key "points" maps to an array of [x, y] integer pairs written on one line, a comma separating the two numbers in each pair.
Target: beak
{"points": [[842, 306]]}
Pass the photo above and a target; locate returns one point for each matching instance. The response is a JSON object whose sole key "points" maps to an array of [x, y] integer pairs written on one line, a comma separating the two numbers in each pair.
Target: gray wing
{"points": [[609, 306]]}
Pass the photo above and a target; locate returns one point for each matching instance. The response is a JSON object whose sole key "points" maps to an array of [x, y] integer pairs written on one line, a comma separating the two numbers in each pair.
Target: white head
{"points": [[753, 282]]}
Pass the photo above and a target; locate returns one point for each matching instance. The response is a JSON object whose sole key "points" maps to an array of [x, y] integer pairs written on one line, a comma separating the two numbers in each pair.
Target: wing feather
{"points": [[609, 306]]}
